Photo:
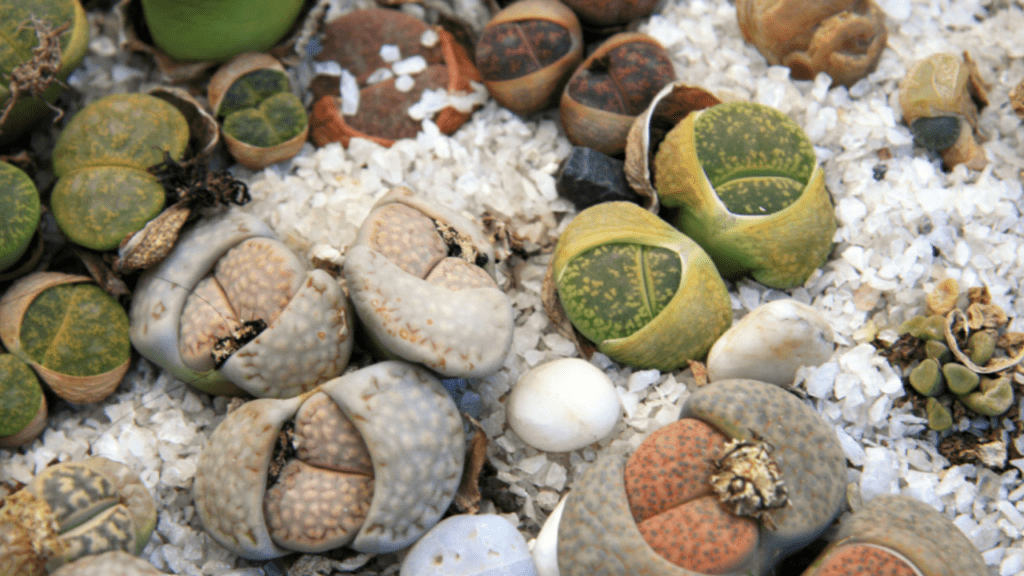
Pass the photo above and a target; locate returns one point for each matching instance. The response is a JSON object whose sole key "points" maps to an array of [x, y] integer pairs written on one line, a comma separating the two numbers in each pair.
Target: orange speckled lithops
{"points": [[866, 560]]}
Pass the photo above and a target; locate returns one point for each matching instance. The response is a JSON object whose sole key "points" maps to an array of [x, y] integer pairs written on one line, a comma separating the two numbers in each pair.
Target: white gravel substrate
{"points": [[897, 238]]}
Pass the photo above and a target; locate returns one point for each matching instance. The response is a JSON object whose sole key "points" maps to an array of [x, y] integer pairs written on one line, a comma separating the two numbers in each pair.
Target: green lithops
{"points": [[939, 417], [925, 327], [72, 333], [262, 121], [104, 191], [748, 475], [27, 27], [896, 534], [642, 292], [22, 403], [71, 510], [749, 191], [993, 397], [927, 378], [960, 379], [19, 203]]}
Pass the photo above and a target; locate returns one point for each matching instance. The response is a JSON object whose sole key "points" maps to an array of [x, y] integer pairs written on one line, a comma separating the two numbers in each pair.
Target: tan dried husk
{"points": [[14, 304], [957, 320], [203, 132], [668, 108]]}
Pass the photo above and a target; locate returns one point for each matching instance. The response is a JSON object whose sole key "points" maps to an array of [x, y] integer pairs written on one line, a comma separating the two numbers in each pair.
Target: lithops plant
{"points": [[638, 289], [71, 510], [104, 191], [22, 403], [262, 121], [369, 460], [896, 534], [941, 96], [748, 475], [420, 277], [749, 191], [71, 332], [44, 41], [20, 206], [116, 563], [231, 308], [844, 39]]}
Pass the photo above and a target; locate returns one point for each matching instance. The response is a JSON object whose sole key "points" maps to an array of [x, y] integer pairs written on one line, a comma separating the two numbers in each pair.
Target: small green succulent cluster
{"points": [[967, 358], [261, 110]]}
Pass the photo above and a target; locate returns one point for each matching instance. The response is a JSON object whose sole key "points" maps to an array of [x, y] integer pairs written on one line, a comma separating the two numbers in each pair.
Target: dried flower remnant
{"points": [[749, 481], [34, 77]]}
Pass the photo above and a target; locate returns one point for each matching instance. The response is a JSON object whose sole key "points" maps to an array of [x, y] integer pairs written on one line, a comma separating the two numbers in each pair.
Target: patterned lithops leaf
{"points": [[76, 329], [740, 139], [251, 89], [259, 109], [759, 195], [250, 127], [19, 203], [113, 529], [20, 394], [75, 493], [614, 290]]}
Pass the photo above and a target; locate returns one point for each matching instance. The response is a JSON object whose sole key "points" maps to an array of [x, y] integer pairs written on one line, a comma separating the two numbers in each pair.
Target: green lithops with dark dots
{"points": [[750, 192], [76, 509], [19, 204], [104, 191], [599, 533], [21, 399], [642, 292], [903, 535]]}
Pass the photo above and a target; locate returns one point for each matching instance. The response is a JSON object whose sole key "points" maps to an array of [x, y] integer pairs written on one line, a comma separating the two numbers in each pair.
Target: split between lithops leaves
{"points": [[642, 292], [395, 487], [749, 191], [598, 532]]}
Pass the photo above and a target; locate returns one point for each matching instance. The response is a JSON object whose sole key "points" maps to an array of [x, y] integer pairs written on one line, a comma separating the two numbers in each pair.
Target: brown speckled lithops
{"points": [[233, 308], [71, 510], [898, 535], [671, 508], [420, 279], [372, 461]]}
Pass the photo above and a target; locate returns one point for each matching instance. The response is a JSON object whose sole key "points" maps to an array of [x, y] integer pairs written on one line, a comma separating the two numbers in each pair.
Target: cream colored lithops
{"points": [[771, 343], [232, 308], [71, 510], [115, 563], [369, 460], [421, 280], [563, 405]]}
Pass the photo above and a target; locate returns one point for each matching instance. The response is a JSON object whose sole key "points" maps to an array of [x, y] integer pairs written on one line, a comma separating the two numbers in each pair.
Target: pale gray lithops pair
{"points": [[748, 475], [369, 460], [420, 277], [233, 308], [71, 510]]}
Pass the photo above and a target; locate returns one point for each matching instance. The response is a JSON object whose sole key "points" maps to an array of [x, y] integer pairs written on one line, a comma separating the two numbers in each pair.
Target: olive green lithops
{"points": [[232, 308], [993, 397], [22, 403], [72, 333], [896, 534], [375, 459], [262, 121], [43, 41], [71, 510], [939, 417], [104, 191], [420, 277], [19, 203], [927, 378], [642, 292], [748, 475], [749, 191]]}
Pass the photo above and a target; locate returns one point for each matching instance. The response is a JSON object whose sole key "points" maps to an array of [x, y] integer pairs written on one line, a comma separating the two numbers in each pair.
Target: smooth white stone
{"points": [[470, 545], [563, 405], [771, 343], [545, 547]]}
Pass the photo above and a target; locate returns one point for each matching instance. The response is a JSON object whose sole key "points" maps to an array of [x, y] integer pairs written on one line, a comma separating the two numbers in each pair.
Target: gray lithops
{"points": [[108, 564], [599, 532], [896, 534], [420, 279], [372, 461], [71, 510], [232, 308]]}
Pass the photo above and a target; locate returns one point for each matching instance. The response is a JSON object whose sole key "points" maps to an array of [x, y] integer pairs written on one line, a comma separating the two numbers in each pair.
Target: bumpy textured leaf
{"points": [[20, 394], [19, 204]]}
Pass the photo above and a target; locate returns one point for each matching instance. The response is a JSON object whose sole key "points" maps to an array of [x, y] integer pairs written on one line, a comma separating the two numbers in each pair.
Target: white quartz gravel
{"points": [[898, 237]]}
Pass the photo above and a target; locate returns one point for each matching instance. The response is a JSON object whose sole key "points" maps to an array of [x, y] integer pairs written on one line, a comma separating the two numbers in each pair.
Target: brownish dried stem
{"points": [[35, 76]]}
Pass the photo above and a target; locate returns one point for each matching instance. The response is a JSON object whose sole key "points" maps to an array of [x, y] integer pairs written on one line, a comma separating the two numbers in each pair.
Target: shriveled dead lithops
{"points": [[747, 476], [369, 460], [941, 96], [421, 280], [637, 288], [844, 39], [232, 308], [749, 190], [896, 534], [72, 333], [71, 510]]}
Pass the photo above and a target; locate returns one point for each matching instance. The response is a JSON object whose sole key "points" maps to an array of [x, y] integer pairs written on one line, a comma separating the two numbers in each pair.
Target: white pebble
{"points": [[545, 547], [468, 545], [411, 65], [390, 53], [404, 83], [563, 405]]}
